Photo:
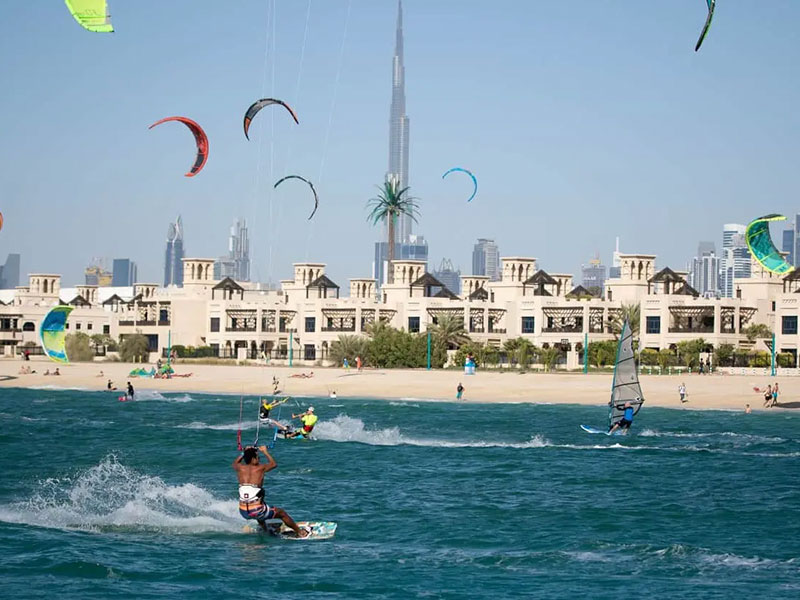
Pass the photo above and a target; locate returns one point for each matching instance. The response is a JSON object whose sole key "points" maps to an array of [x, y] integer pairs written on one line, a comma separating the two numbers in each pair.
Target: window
{"points": [[653, 325], [789, 325], [163, 315], [29, 326], [282, 324], [309, 350], [413, 324], [78, 326], [89, 326], [214, 323], [527, 324], [107, 329], [311, 326]]}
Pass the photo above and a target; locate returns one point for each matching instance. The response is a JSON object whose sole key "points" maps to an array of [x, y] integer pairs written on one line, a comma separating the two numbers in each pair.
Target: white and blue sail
{"points": [[625, 387]]}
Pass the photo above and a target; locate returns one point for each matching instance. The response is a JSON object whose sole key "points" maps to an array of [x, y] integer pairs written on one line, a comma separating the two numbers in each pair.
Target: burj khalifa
{"points": [[398, 126]]}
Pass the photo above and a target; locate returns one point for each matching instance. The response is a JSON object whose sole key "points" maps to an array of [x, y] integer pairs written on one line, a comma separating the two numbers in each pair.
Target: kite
{"points": [[474, 181], [199, 137], [52, 334], [257, 106], [311, 185], [1, 221], [710, 16], [91, 14], [760, 244]]}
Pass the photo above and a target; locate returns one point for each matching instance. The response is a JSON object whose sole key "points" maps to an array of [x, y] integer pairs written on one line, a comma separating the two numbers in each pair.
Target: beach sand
{"points": [[704, 391]]}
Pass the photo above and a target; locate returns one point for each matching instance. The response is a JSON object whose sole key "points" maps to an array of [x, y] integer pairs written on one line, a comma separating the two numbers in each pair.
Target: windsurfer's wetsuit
{"points": [[627, 418], [252, 505]]}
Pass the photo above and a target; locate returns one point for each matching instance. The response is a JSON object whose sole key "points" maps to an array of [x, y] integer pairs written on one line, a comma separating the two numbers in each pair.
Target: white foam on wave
{"points": [[408, 404], [223, 427], [728, 434], [152, 395], [111, 496], [348, 429], [61, 388]]}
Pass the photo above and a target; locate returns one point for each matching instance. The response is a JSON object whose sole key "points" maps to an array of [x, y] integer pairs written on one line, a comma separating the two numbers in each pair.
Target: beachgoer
{"points": [[775, 394], [333, 395], [47, 372], [346, 364], [309, 419], [768, 396], [627, 418], [100, 374], [250, 473], [263, 411], [56, 372], [130, 392], [702, 367], [747, 409], [682, 392], [459, 391], [27, 354], [110, 385], [358, 363]]}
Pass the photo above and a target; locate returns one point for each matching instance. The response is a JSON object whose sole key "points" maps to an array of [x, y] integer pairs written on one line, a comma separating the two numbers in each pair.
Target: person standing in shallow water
{"points": [[775, 394], [459, 391]]}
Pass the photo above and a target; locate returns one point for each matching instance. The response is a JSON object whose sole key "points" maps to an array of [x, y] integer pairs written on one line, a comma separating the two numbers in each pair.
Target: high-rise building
{"points": [[615, 270], [9, 272], [796, 249], [124, 272], [704, 270], [236, 264], [735, 260], [788, 244], [449, 276], [486, 259], [398, 127], [415, 249], [96, 274], [594, 275], [173, 257]]}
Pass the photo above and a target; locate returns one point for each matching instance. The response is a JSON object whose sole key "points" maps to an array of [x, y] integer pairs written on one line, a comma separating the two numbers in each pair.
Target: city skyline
{"points": [[624, 154]]}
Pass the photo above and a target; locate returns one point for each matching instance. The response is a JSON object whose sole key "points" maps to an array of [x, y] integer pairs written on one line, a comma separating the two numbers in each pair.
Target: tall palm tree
{"points": [[450, 332], [628, 312], [388, 205]]}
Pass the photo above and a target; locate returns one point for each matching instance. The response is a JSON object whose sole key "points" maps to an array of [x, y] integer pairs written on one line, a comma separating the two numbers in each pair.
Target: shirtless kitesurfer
{"points": [[309, 419], [250, 473], [626, 420]]}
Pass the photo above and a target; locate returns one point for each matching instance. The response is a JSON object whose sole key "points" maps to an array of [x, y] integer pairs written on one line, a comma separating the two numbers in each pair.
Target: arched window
{"points": [[29, 326]]}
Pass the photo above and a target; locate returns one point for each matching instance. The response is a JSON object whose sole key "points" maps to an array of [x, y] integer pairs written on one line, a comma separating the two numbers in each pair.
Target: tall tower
{"points": [[173, 257], [398, 126]]}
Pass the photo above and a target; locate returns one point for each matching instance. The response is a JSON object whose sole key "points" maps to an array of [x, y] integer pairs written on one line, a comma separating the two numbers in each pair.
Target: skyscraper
{"points": [[416, 248], [398, 127], [123, 272], [615, 271], [593, 275], [735, 261], [704, 270], [173, 257], [449, 276], [236, 264], [788, 244], [9, 272], [486, 259]]}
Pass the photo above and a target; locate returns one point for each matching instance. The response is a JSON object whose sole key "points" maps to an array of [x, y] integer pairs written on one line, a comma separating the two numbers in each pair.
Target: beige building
{"points": [[301, 320]]}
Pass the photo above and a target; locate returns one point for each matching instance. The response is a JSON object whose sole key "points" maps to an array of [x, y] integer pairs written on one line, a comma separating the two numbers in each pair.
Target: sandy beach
{"points": [[717, 391]]}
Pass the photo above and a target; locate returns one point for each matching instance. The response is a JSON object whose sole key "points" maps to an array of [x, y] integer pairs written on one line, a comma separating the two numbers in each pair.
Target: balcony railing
{"points": [[694, 329], [240, 329], [343, 329], [497, 329], [126, 323], [564, 329], [163, 322]]}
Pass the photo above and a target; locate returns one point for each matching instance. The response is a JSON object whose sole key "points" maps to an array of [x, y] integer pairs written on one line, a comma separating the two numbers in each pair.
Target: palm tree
{"points": [[349, 346], [628, 312], [388, 205], [449, 331]]}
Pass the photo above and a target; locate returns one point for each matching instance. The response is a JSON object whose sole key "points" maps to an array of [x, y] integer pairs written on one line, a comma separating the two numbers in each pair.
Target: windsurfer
{"points": [[627, 418], [250, 473]]}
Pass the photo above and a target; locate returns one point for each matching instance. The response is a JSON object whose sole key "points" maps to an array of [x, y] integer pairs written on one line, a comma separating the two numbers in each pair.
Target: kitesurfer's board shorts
{"points": [[260, 512]]}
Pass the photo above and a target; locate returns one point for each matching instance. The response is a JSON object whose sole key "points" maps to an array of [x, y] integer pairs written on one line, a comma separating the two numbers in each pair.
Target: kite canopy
{"points": [[474, 181], [761, 247], [52, 334], [711, 4], [258, 105], [199, 137], [311, 185], [91, 14], [1, 221]]}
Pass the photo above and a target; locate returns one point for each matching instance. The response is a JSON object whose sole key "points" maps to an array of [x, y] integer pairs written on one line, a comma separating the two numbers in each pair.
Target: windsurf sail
{"points": [[52, 333], [759, 242], [625, 387]]}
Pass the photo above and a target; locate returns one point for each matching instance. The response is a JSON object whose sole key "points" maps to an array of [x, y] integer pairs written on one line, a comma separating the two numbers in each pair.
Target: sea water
{"points": [[100, 499]]}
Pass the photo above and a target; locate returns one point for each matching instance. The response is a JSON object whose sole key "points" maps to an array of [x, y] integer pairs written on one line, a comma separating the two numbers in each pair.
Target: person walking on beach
{"points": [[346, 364], [358, 363], [130, 392], [775, 394], [768, 397], [459, 391], [250, 473], [682, 392]]}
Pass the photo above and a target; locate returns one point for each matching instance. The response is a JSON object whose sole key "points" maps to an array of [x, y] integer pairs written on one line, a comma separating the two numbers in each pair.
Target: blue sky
{"points": [[582, 120]]}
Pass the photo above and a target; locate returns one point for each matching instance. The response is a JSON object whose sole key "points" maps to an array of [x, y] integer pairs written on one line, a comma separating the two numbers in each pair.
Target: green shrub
{"points": [[649, 357], [79, 347], [760, 359], [786, 360]]}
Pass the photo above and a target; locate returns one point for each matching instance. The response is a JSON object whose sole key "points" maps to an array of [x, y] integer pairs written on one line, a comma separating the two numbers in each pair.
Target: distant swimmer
{"points": [[747, 409], [266, 407], [627, 418], [333, 395], [130, 392], [309, 419], [250, 473]]}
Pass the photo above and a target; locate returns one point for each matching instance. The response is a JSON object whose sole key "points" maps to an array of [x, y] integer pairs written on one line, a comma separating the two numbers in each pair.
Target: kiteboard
{"points": [[320, 530], [124, 398]]}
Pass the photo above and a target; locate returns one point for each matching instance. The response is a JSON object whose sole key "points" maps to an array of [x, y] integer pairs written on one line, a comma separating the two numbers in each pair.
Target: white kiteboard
{"points": [[320, 530], [588, 429]]}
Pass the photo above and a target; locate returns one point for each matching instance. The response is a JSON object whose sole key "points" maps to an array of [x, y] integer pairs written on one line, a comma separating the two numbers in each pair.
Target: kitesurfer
{"points": [[250, 473], [627, 418], [266, 407], [309, 419], [130, 391]]}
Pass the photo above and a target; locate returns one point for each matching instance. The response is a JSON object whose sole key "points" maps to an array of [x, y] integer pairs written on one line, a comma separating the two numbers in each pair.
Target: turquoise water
{"points": [[138, 500]]}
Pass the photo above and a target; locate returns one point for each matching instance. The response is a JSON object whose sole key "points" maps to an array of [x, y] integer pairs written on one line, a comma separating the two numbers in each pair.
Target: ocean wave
{"points": [[152, 395], [111, 496], [408, 404], [223, 427], [728, 434], [61, 388]]}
